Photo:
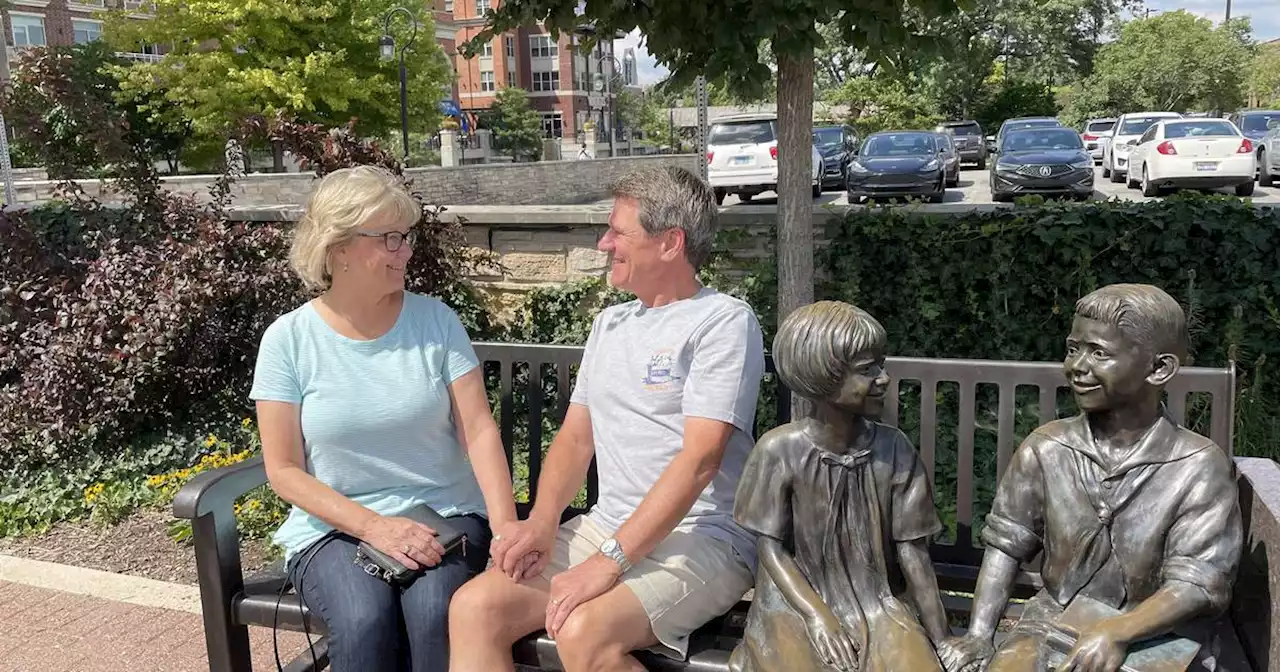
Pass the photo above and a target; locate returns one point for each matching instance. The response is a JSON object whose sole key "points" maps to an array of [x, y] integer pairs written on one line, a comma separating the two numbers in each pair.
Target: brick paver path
{"points": [[51, 631]]}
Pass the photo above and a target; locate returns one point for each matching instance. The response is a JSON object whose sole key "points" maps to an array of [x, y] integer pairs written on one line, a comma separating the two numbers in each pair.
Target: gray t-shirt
{"points": [[644, 371]]}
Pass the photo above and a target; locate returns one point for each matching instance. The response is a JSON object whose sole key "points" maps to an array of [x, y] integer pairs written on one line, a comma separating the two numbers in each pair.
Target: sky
{"points": [[1266, 26]]}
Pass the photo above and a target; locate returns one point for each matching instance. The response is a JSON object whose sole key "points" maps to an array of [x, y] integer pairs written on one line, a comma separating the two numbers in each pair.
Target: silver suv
{"points": [[742, 156]]}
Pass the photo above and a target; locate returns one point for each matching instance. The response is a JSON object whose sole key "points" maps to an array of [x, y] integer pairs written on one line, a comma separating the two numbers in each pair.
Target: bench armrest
{"points": [[1255, 602], [218, 489], [208, 501]]}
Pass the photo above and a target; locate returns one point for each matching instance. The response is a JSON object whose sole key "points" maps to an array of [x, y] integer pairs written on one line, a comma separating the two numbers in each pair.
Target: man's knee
{"points": [[483, 606], [585, 636]]}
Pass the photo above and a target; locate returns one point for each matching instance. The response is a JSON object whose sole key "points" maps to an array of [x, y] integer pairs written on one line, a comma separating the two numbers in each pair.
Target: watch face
{"points": [[609, 546]]}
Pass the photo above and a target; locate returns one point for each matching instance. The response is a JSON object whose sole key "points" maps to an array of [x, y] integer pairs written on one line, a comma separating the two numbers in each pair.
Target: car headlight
{"points": [[1006, 167], [932, 165], [857, 167], [1121, 148], [1082, 163]]}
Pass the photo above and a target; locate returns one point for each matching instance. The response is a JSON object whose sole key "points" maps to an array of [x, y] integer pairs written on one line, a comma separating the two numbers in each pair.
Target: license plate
{"points": [[1206, 165], [741, 160]]}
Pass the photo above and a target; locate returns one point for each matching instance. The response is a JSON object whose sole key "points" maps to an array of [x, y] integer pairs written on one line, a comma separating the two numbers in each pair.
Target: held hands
{"points": [[965, 653], [834, 645], [411, 543], [521, 549]]}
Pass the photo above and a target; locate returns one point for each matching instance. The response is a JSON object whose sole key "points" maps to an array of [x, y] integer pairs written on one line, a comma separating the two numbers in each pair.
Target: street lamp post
{"points": [[387, 46], [608, 95]]}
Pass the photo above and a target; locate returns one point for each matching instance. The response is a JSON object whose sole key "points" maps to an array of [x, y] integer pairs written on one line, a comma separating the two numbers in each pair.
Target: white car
{"points": [[1115, 154], [1096, 135], [742, 156], [1192, 153]]}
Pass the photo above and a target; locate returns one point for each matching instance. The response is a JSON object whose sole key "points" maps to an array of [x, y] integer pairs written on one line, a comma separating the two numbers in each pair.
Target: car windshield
{"points": [[899, 144], [1258, 122], [827, 137], [741, 133], [1203, 127], [944, 141], [1041, 139], [1032, 123], [963, 129], [1100, 126], [1138, 125]]}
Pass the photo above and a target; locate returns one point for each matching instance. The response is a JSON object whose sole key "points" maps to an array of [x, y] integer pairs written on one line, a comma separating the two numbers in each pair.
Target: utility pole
{"points": [[1228, 18], [700, 88]]}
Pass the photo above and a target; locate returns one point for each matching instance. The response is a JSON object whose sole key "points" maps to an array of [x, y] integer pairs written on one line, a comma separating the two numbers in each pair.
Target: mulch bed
{"points": [[140, 545]]}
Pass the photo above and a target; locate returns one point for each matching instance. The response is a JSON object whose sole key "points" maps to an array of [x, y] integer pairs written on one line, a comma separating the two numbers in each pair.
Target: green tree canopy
{"points": [[517, 128], [1171, 61], [1263, 84], [683, 37], [316, 61]]}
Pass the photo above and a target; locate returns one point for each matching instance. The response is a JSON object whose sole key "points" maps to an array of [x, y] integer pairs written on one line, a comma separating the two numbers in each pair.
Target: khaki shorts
{"points": [[686, 581]]}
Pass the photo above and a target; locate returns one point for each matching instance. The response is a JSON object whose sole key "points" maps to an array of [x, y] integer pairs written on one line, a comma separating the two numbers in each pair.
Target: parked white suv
{"points": [[1129, 127], [742, 156]]}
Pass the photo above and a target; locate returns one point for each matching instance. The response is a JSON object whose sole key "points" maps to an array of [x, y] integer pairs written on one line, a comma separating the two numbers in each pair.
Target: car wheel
{"points": [[1149, 189], [719, 196], [817, 190], [1106, 167], [744, 197], [982, 163], [1245, 189], [1265, 179], [1131, 183], [1117, 177]]}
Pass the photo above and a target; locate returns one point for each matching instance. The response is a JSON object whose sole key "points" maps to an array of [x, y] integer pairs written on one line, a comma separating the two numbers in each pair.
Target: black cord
{"points": [[302, 572]]}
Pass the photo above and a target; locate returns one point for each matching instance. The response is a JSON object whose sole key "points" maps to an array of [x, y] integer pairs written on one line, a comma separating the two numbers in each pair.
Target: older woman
{"points": [[371, 401]]}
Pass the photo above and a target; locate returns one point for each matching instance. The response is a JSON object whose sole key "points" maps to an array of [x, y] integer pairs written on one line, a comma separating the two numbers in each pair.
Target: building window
{"points": [[448, 6], [542, 46], [511, 79], [482, 6], [28, 31], [511, 46], [546, 81], [488, 50], [552, 125], [86, 31], [486, 80]]}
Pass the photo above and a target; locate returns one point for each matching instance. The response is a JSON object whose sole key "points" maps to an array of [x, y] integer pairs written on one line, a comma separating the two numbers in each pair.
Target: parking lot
{"points": [[974, 188]]}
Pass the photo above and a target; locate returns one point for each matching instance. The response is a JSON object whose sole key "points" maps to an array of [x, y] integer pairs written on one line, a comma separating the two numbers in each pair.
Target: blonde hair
{"points": [[340, 203]]}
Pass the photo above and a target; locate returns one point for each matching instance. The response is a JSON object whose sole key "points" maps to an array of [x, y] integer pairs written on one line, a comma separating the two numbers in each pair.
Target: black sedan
{"points": [[897, 164], [836, 144], [1045, 161]]}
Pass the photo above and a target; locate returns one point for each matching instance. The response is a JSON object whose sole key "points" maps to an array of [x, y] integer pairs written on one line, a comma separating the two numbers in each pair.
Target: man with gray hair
{"points": [[665, 401]]}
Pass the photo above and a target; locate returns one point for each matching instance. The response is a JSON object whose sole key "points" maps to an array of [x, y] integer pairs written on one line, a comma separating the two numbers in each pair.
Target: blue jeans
{"points": [[374, 626]]}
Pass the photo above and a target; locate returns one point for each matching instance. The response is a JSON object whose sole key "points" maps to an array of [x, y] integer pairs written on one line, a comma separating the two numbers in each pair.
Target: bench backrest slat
{"points": [[967, 374]]}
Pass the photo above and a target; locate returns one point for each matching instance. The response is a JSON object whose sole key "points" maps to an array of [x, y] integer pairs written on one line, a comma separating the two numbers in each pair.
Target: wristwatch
{"points": [[613, 550]]}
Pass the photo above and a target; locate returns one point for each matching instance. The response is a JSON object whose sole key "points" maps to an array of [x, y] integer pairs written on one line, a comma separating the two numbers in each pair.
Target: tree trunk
{"points": [[795, 200]]}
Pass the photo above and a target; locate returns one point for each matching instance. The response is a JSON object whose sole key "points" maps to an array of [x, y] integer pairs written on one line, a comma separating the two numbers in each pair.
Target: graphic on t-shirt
{"points": [[658, 372]]}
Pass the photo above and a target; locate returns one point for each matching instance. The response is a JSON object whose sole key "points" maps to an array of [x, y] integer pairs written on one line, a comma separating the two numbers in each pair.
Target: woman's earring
{"points": [[344, 267]]}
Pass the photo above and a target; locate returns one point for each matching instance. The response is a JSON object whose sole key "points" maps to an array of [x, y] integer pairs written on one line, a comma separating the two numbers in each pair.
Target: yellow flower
{"points": [[245, 423], [208, 442]]}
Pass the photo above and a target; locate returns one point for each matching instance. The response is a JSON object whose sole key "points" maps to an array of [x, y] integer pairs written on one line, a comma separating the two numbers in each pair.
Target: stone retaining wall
{"points": [[540, 183]]}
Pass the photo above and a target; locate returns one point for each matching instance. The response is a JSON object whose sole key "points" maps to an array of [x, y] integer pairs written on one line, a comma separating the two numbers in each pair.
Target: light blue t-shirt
{"points": [[377, 423]]}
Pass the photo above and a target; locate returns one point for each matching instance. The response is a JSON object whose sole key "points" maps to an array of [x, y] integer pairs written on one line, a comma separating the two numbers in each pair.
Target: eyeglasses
{"points": [[393, 239]]}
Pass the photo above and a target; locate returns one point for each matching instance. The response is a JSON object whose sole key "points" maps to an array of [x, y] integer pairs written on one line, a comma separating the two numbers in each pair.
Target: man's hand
{"points": [[578, 585], [965, 653], [1097, 650], [834, 645], [522, 549]]}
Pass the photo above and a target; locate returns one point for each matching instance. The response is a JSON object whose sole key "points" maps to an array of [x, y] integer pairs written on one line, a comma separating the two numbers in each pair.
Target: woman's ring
{"points": [[497, 537], [555, 602], [407, 548]]}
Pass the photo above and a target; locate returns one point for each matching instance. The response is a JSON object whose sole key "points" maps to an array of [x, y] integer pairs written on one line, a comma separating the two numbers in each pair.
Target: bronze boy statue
{"points": [[844, 511], [1137, 518]]}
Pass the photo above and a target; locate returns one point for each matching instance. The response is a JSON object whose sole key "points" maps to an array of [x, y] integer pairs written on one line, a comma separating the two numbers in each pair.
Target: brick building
{"points": [[37, 23], [557, 76]]}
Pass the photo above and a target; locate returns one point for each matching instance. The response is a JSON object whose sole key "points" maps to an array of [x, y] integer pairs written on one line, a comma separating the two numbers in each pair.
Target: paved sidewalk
{"points": [[47, 630]]}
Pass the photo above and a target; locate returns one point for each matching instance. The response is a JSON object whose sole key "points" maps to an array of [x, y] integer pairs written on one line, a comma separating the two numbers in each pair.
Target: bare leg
{"points": [[600, 635], [487, 615]]}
